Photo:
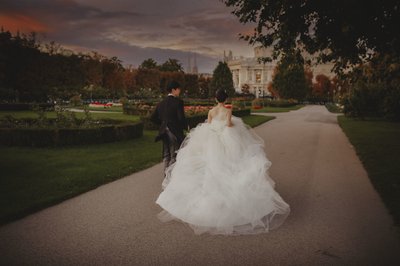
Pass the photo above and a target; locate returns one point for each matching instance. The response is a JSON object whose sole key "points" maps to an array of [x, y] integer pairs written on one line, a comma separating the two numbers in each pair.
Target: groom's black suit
{"points": [[170, 115]]}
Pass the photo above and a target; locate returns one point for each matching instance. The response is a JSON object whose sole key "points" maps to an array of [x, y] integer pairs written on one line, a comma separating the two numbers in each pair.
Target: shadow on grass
{"points": [[377, 144]]}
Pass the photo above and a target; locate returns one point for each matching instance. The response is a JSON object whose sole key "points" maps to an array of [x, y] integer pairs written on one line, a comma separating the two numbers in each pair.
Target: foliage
{"points": [[76, 100], [334, 107], [365, 100], [374, 88], [222, 79], [34, 72], [204, 84], [171, 65], [148, 64], [332, 29], [322, 89], [289, 79]]}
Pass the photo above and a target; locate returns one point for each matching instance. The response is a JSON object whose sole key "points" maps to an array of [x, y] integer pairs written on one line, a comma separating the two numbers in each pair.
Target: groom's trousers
{"points": [[170, 148]]}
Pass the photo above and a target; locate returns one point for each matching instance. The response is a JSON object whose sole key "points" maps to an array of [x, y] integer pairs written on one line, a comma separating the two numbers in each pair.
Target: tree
{"points": [[204, 86], [113, 76], [222, 79], [191, 86], [148, 64], [148, 79], [290, 79], [171, 65], [322, 89], [344, 31]]}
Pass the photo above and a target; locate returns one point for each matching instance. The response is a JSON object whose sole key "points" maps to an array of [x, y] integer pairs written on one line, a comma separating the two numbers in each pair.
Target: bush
{"points": [[191, 120], [41, 137], [391, 104], [76, 100], [25, 106], [365, 100]]}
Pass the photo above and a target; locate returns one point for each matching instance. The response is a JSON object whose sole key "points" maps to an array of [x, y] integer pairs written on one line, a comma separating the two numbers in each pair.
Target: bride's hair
{"points": [[221, 95]]}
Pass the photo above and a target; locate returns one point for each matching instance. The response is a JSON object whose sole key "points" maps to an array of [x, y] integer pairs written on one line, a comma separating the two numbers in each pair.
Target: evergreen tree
{"points": [[290, 80], [222, 79]]}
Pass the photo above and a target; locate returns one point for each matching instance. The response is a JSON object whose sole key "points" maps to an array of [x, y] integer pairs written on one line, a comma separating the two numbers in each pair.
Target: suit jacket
{"points": [[170, 113]]}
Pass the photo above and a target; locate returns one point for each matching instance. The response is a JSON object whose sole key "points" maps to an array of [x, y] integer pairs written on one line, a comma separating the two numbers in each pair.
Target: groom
{"points": [[170, 115]]}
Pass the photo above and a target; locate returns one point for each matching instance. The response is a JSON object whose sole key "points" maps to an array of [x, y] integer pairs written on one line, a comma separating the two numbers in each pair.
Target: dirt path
{"points": [[337, 217]]}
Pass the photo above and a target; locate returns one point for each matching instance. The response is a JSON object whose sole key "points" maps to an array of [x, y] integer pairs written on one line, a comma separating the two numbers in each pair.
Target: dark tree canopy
{"points": [[222, 79], [290, 78], [343, 31], [148, 64], [171, 65]]}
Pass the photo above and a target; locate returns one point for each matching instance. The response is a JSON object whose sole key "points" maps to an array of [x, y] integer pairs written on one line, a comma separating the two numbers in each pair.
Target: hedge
{"points": [[42, 137], [25, 106], [192, 120]]}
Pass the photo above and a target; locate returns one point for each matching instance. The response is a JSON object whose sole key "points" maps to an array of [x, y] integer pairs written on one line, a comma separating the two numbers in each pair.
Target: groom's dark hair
{"points": [[221, 95], [173, 85]]}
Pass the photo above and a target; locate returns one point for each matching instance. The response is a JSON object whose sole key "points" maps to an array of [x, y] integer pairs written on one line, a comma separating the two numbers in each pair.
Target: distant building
{"points": [[250, 74], [254, 76], [192, 69]]}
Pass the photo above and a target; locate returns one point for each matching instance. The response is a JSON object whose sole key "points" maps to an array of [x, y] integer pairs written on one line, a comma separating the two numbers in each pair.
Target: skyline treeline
{"points": [[40, 72]]}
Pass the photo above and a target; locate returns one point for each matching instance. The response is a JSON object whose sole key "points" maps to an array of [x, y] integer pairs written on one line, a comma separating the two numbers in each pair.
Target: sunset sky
{"points": [[133, 30]]}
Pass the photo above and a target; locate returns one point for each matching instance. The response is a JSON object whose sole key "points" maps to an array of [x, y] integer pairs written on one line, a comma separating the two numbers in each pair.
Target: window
{"points": [[258, 76]]}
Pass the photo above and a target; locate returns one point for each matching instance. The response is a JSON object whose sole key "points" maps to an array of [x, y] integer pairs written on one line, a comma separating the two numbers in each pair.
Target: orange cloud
{"points": [[22, 23]]}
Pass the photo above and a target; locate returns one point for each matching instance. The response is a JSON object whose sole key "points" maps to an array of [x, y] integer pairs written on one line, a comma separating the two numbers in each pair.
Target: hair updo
{"points": [[221, 95]]}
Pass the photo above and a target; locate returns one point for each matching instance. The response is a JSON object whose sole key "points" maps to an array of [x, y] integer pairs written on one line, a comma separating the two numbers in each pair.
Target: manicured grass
{"points": [[35, 178], [377, 144], [31, 114], [277, 109], [255, 120]]}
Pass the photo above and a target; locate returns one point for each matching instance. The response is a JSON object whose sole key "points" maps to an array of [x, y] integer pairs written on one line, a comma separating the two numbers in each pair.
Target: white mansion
{"points": [[249, 72]]}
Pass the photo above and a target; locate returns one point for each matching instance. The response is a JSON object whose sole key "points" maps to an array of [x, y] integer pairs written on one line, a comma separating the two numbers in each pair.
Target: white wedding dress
{"points": [[220, 184]]}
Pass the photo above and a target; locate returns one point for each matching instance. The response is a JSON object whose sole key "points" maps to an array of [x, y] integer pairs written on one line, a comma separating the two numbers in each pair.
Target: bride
{"points": [[219, 183]]}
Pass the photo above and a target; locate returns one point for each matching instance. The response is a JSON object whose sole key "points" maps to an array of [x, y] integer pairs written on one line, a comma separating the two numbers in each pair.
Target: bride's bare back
{"points": [[220, 113]]}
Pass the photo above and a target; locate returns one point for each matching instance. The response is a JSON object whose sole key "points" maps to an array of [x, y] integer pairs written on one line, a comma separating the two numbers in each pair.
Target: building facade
{"points": [[254, 76], [250, 74]]}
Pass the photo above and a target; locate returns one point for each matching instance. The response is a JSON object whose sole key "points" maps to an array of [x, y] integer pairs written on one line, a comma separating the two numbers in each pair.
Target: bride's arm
{"points": [[230, 118], [209, 118]]}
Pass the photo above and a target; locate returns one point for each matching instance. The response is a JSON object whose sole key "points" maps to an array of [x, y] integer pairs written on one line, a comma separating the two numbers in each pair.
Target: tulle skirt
{"points": [[220, 183]]}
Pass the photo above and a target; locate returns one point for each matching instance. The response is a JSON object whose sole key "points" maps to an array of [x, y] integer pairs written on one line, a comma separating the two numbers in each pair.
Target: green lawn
{"points": [[255, 120], [378, 146], [35, 178], [277, 109], [108, 109]]}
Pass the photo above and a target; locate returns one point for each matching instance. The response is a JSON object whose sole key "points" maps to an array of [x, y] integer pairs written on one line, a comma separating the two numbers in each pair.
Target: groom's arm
{"points": [[181, 115], [155, 116]]}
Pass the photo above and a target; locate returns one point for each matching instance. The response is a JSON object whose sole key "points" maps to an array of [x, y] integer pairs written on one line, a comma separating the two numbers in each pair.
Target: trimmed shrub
{"points": [[25, 106], [192, 120], [41, 137]]}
